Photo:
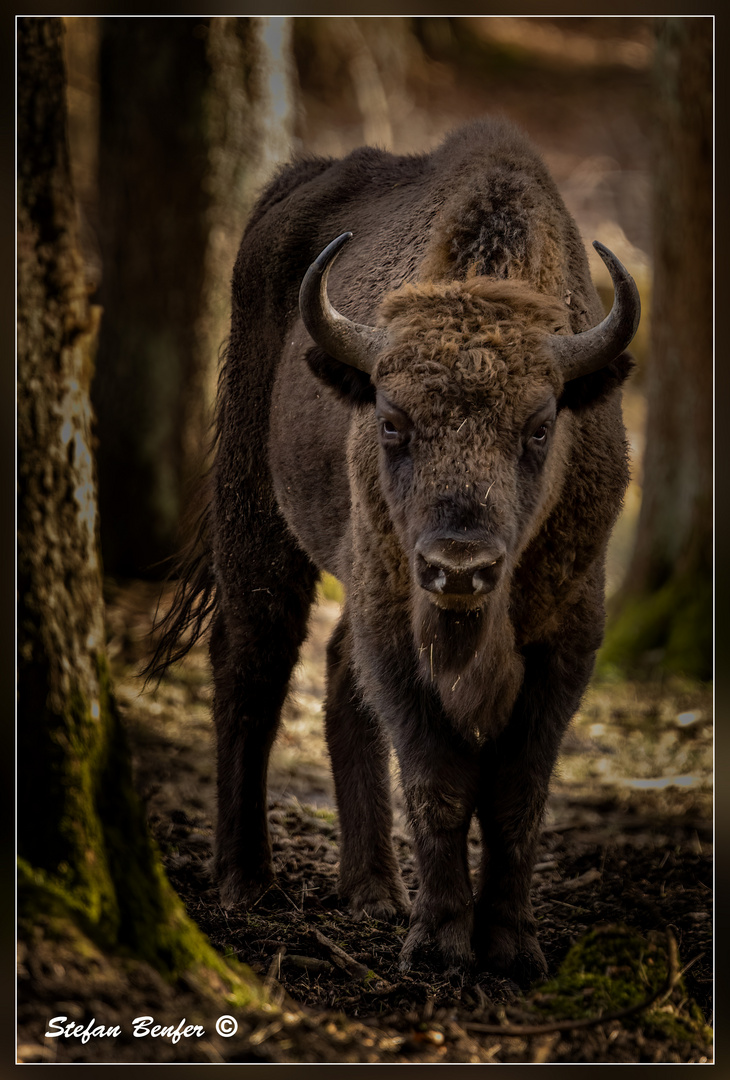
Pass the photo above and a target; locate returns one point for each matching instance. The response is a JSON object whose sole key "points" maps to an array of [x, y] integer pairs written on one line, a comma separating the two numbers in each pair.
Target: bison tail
{"points": [[194, 601]]}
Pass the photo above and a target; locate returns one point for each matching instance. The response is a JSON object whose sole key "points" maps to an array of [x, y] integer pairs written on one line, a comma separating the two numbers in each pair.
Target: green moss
{"points": [[46, 910], [610, 968], [43, 899], [321, 812], [83, 872], [329, 588], [667, 632], [614, 968], [677, 1028], [44, 903]]}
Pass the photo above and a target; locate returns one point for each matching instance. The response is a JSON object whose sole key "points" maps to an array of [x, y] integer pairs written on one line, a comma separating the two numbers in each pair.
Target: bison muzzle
{"points": [[421, 395]]}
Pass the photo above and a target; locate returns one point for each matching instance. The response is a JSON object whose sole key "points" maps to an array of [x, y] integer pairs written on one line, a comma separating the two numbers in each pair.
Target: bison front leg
{"points": [[505, 938], [359, 750], [516, 771], [440, 802]]}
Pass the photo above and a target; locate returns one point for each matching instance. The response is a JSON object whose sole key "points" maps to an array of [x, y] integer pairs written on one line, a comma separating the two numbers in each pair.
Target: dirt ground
{"points": [[627, 842]]}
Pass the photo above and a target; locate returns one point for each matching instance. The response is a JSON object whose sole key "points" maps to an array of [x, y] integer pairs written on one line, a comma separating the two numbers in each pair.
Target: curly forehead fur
{"points": [[478, 336]]}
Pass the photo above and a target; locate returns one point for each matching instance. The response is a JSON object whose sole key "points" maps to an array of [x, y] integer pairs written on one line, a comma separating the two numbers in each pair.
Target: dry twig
{"points": [[354, 968]]}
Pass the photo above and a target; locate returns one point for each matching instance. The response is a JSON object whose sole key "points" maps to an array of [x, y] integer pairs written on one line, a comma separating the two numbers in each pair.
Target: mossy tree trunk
{"points": [[193, 115], [82, 840], [663, 612]]}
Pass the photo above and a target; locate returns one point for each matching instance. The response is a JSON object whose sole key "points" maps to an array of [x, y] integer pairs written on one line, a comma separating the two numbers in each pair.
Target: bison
{"points": [[420, 395]]}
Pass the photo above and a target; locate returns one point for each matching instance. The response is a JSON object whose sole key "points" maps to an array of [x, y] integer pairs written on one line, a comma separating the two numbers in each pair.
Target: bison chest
{"points": [[424, 670]]}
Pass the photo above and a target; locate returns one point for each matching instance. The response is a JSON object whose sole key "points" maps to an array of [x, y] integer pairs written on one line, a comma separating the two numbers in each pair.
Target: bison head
{"points": [[472, 445]]}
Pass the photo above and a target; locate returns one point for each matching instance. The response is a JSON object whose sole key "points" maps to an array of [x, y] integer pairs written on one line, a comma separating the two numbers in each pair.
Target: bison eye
{"points": [[536, 434], [393, 436], [394, 425]]}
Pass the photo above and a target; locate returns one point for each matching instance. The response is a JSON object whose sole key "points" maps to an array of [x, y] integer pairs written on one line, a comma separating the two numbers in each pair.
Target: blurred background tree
{"points": [[663, 611], [193, 114]]}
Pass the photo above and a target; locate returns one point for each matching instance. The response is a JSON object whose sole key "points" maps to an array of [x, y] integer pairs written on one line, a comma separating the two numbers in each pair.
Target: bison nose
{"points": [[459, 567]]}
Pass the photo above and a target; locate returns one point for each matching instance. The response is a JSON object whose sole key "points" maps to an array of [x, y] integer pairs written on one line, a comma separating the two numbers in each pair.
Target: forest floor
{"points": [[626, 844]]}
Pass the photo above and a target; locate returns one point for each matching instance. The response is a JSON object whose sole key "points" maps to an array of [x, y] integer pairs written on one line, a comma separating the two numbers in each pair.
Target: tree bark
{"points": [[60, 617], [664, 609], [85, 853], [193, 117]]}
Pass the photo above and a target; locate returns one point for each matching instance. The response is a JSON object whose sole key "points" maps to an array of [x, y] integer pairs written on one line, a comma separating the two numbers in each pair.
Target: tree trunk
{"points": [[85, 853], [664, 609], [191, 122]]}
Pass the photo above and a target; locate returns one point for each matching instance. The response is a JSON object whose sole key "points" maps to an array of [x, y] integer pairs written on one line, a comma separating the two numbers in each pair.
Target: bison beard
{"points": [[459, 393], [469, 657]]}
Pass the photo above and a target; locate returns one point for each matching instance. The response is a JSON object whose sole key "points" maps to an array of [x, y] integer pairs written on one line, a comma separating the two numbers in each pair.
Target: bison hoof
{"points": [[235, 890], [387, 902], [452, 939], [518, 956]]}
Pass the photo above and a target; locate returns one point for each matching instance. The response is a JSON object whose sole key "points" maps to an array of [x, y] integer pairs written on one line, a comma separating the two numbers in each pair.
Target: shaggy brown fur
{"points": [[466, 439]]}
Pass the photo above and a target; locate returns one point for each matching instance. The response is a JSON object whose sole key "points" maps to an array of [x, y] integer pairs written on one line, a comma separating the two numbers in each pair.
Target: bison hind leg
{"points": [[254, 645]]}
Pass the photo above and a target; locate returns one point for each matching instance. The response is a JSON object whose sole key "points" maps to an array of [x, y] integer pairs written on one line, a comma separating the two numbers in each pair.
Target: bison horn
{"points": [[585, 353], [349, 342]]}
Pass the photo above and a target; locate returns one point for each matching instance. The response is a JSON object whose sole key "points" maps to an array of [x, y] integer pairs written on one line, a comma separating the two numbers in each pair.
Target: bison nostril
{"points": [[459, 568], [487, 577], [430, 575], [438, 581]]}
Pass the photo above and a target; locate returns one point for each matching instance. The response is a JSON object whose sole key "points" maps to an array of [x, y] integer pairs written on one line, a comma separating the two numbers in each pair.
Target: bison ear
{"points": [[349, 383], [587, 390]]}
